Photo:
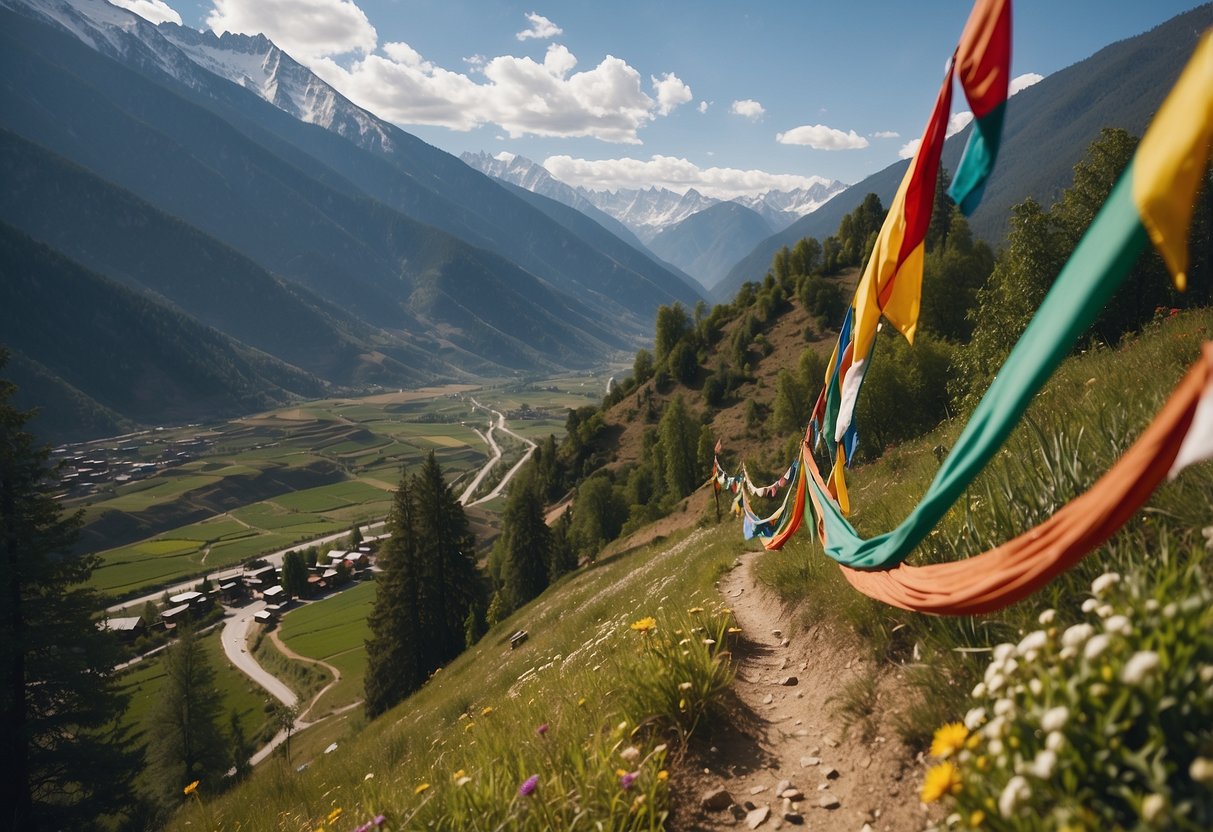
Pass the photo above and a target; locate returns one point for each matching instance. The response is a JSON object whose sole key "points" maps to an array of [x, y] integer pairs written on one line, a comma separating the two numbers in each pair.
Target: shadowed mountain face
{"points": [[1048, 129], [220, 178], [708, 243]]}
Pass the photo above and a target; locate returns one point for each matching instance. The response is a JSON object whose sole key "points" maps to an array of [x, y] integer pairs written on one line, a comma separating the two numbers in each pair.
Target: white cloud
{"points": [[909, 149], [747, 107], [157, 11], [519, 94], [1022, 82], [541, 28], [674, 173], [958, 122], [820, 137], [886, 134], [307, 29], [703, 106], [670, 92]]}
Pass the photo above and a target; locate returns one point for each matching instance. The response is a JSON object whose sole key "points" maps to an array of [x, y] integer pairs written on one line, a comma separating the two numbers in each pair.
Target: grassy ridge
{"points": [[582, 673]]}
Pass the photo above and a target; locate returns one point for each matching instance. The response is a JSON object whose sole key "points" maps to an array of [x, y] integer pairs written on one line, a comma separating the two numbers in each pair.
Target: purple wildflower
{"points": [[625, 781], [379, 820], [366, 827], [528, 785], [542, 729]]}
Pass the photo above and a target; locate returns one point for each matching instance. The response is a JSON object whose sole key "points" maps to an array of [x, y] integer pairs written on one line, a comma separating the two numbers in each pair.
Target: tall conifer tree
{"points": [[394, 668], [66, 762], [527, 542]]}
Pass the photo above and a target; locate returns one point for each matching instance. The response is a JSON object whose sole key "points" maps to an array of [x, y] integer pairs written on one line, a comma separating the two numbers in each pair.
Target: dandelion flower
{"points": [[663, 775], [421, 787], [1139, 666], [458, 774], [191, 788], [943, 779], [528, 785], [949, 739], [644, 624]]}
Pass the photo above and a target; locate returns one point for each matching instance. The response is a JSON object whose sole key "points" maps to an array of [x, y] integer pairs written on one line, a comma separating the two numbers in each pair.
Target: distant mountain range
{"points": [[1048, 129], [651, 212], [223, 182]]}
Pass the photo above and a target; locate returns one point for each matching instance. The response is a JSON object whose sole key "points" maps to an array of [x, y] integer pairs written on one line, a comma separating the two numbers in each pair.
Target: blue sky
{"points": [[674, 93]]}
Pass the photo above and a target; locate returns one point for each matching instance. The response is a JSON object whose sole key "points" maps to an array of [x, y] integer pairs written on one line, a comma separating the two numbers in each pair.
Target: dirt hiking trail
{"points": [[783, 758]]}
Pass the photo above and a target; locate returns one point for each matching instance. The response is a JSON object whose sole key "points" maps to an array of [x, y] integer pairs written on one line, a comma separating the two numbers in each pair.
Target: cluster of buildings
{"points": [[88, 467], [257, 581]]}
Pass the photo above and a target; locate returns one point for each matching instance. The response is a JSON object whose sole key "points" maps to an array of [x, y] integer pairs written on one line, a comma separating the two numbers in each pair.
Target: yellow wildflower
{"points": [[336, 813], [734, 629], [943, 779], [420, 788], [694, 610], [469, 726], [581, 702], [663, 775], [644, 624], [949, 739], [458, 774], [977, 819], [486, 710], [191, 788]]}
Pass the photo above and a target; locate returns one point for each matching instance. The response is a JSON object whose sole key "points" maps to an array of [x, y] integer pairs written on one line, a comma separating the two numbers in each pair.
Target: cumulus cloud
{"points": [[157, 11], [820, 137], [958, 122], [886, 134], [1022, 82], [703, 106], [909, 149], [676, 174], [747, 107], [670, 92], [520, 95], [307, 29], [541, 28]]}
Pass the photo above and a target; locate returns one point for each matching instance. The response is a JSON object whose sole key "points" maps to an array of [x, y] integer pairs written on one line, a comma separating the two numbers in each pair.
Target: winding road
{"points": [[498, 424]]}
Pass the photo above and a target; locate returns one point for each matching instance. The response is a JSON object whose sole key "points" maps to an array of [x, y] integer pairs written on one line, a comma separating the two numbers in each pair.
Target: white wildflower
{"points": [[1055, 719], [1140, 665], [1170, 610], [1047, 617], [979, 690], [1014, 793], [1003, 707], [995, 747], [1055, 741], [995, 684], [1067, 653], [1004, 651], [1096, 646], [1104, 610], [1206, 673], [994, 727], [1153, 807], [1151, 605], [974, 718], [1089, 604], [1201, 771], [1207, 534], [1036, 686], [631, 753], [1033, 641], [1118, 624], [1044, 764], [1103, 583], [1078, 634]]}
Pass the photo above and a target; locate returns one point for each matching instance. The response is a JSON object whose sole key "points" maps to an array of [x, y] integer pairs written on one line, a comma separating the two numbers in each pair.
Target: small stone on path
{"points": [[758, 790], [792, 794], [830, 773], [715, 800], [805, 762], [757, 817], [768, 699], [784, 642], [789, 681], [830, 741], [782, 786], [829, 801], [865, 762]]}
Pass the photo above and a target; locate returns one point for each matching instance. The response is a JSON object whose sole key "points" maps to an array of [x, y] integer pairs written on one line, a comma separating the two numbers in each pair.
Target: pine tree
{"points": [[186, 743], [239, 744], [294, 574], [527, 545], [449, 583], [67, 764], [393, 651], [679, 438]]}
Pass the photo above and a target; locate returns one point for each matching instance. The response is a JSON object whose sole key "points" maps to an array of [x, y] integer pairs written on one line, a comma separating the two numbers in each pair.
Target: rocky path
{"points": [[784, 759]]}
